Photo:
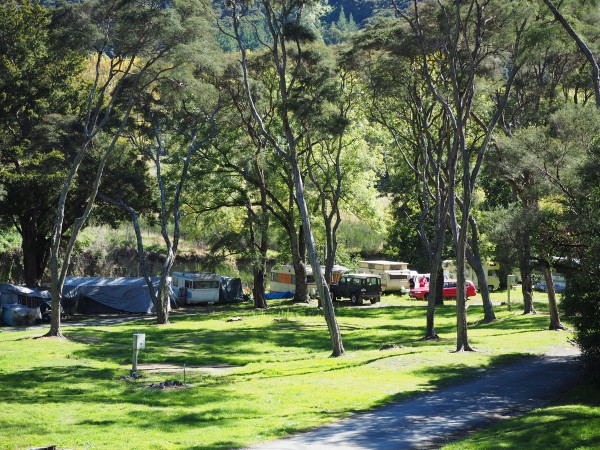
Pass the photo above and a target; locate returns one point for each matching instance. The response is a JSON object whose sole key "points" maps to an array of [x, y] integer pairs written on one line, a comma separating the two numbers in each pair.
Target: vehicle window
{"points": [[373, 281], [343, 280], [201, 284], [356, 281], [450, 284]]}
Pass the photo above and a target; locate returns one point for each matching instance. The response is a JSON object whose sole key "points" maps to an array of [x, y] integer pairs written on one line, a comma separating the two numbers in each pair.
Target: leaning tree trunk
{"points": [[324, 294], [555, 323], [484, 290], [474, 259]]}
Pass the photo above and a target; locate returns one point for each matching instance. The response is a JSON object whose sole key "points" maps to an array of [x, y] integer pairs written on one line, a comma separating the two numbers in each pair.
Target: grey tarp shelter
{"points": [[230, 290], [11, 294], [96, 295]]}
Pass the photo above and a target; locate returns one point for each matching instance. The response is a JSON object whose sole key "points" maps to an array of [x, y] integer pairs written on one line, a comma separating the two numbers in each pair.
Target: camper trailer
{"points": [[200, 287], [395, 276], [491, 269], [283, 278]]}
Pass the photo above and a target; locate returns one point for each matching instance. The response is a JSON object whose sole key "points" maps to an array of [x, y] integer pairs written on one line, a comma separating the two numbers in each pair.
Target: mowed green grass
{"points": [[271, 375]]}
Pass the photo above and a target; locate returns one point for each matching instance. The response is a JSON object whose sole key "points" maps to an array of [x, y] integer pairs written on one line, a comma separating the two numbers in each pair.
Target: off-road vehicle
{"points": [[357, 287]]}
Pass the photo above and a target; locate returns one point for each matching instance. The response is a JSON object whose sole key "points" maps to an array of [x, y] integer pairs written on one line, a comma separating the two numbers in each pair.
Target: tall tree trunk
{"points": [[474, 259], [436, 286], [35, 248], [462, 340], [301, 291], [524, 251], [260, 244], [324, 294], [555, 323], [258, 288], [484, 290]]}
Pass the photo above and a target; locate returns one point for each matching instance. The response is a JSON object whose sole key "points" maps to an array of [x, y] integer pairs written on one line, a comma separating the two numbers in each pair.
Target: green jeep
{"points": [[357, 287]]}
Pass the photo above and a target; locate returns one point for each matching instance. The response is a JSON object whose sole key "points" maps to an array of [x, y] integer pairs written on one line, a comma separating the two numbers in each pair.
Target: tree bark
{"points": [[524, 251], [35, 247], [555, 323], [484, 290], [324, 294]]}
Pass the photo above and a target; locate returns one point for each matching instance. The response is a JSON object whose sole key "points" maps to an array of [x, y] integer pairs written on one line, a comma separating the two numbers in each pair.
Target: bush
{"points": [[581, 304]]}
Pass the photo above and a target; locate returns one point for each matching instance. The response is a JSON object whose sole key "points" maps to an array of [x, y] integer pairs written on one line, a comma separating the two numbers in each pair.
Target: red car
{"points": [[449, 290]]}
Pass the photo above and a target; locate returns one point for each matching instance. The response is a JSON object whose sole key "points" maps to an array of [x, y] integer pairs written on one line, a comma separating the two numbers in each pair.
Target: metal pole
{"points": [[509, 288], [134, 362]]}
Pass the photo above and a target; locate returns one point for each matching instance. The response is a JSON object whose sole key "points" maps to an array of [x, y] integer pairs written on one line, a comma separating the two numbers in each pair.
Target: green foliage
{"points": [[9, 240]]}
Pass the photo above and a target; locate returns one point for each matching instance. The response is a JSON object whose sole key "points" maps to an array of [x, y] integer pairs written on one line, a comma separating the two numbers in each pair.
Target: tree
{"points": [[174, 120], [465, 51], [234, 181], [126, 40], [581, 44], [303, 90], [38, 108], [342, 166], [402, 104], [581, 301]]}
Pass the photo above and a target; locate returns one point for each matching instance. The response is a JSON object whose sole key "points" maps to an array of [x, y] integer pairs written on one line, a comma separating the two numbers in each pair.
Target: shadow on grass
{"points": [[246, 341]]}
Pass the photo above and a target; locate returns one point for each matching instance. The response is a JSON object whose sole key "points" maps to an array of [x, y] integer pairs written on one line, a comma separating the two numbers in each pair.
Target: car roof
{"points": [[454, 280], [361, 275]]}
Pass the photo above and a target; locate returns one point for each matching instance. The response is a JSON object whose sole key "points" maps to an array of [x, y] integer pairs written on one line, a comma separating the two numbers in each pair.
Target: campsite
{"points": [[243, 381], [228, 222]]}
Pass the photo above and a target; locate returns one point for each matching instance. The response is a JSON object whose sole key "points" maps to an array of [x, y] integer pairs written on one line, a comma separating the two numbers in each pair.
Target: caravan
{"points": [[283, 278], [395, 276], [491, 269], [200, 287]]}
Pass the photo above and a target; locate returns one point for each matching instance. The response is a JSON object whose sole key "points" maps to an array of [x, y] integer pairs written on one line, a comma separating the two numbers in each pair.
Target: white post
{"points": [[139, 343], [510, 279]]}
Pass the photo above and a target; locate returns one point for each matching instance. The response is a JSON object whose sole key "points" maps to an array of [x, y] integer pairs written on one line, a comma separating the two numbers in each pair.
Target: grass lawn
{"points": [[263, 376]]}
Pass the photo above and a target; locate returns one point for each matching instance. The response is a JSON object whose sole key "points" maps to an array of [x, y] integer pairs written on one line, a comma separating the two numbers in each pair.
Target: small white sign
{"points": [[139, 341]]}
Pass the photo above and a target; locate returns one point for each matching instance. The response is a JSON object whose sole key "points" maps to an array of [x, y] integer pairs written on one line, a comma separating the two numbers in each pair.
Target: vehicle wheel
{"points": [[374, 300], [355, 299], [491, 288], [333, 298]]}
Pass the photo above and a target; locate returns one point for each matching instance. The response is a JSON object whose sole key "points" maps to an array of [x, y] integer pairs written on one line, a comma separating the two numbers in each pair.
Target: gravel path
{"points": [[431, 419]]}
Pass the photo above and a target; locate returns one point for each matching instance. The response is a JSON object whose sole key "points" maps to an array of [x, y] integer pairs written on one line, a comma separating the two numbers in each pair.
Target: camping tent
{"points": [[95, 295]]}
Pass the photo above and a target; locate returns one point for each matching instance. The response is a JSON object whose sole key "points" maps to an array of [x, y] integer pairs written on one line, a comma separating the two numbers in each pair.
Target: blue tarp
{"points": [[123, 294], [273, 295]]}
